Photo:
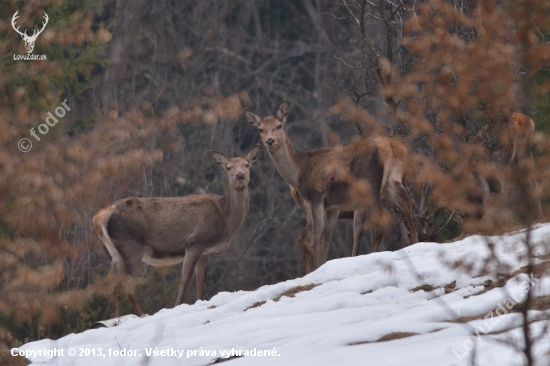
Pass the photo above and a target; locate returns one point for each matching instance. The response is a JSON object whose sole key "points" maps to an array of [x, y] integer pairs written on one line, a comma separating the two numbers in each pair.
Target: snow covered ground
{"points": [[366, 310]]}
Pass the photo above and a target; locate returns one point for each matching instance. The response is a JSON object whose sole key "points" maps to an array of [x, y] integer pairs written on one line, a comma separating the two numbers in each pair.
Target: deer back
{"points": [[166, 224], [517, 135]]}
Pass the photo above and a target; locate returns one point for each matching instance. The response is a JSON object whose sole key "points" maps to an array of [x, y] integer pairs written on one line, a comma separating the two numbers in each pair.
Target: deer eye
{"points": [[227, 167], [278, 127], [262, 131], [247, 165]]}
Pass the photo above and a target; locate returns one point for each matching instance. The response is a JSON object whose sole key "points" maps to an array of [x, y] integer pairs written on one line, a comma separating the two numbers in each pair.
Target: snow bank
{"points": [[362, 310]]}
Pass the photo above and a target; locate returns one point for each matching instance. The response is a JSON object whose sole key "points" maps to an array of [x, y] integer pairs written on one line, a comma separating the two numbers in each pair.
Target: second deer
{"points": [[168, 231], [365, 177]]}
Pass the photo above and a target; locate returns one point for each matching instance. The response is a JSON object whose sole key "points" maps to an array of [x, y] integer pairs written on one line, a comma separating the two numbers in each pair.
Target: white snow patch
{"points": [[356, 302]]}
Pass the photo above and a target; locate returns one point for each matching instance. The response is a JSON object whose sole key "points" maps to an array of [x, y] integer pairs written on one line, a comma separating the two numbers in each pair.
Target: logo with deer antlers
{"points": [[29, 40]]}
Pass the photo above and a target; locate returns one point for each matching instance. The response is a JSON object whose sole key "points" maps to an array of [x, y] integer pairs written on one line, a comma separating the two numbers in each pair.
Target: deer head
{"points": [[238, 169], [271, 128], [29, 40]]}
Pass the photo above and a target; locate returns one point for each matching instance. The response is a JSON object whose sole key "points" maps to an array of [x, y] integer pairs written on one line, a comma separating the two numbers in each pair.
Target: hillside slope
{"points": [[372, 309]]}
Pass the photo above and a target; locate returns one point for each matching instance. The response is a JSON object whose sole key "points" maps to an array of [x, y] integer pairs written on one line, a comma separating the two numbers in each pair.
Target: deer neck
{"points": [[287, 162], [235, 208]]}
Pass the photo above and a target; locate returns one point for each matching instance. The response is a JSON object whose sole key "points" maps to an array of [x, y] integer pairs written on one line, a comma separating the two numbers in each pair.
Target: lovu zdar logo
{"points": [[29, 40]]}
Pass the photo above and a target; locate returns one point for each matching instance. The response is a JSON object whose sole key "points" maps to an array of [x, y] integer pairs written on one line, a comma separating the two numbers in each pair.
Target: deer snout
{"points": [[270, 141], [240, 176]]}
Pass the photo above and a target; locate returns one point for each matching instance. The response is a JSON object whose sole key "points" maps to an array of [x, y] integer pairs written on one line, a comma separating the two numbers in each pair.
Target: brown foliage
{"points": [[466, 72], [182, 91]]}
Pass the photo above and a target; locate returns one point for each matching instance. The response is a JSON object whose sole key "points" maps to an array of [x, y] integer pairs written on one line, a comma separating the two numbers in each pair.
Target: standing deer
{"points": [[305, 237], [510, 141], [168, 231], [365, 177], [29, 40]]}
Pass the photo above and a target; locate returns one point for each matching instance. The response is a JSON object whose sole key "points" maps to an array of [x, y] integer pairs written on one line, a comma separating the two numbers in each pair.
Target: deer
{"points": [[305, 239], [166, 231], [305, 236], [509, 141], [29, 40], [364, 176]]}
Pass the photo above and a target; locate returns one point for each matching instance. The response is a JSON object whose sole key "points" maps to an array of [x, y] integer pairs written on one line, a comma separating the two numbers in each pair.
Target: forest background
{"points": [[153, 86]]}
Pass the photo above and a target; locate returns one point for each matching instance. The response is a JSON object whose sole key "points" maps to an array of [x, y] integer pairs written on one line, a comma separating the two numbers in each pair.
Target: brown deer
{"points": [[509, 141], [365, 177], [305, 238], [168, 231]]}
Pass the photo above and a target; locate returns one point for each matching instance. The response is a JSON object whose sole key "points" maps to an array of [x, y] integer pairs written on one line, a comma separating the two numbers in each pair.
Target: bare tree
{"points": [[379, 24], [128, 20]]}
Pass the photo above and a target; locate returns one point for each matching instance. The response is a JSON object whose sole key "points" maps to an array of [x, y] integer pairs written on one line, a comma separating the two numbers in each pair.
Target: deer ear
{"points": [[282, 111], [219, 158], [252, 154], [252, 118]]}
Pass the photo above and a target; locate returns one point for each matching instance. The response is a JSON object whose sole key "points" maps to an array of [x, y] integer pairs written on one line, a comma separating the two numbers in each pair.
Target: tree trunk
{"points": [[128, 16]]}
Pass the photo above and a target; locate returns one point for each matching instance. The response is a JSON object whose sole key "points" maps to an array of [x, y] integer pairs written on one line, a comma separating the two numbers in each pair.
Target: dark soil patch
{"points": [[450, 287], [295, 290], [220, 360], [256, 305], [540, 303], [538, 270], [387, 338], [534, 320], [543, 257], [396, 335], [489, 285], [466, 319], [426, 288], [289, 293], [537, 303]]}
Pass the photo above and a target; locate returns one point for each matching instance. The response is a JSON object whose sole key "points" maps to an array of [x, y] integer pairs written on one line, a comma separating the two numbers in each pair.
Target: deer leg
{"points": [[190, 261], [331, 220], [359, 218], [114, 282], [118, 269], [200, 275], [132, 254], [405, 235], [535, 187], [377, 234], [130, 290], [305, 241], [400, 197], [319, 223], [380, 223]]}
